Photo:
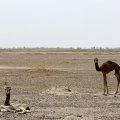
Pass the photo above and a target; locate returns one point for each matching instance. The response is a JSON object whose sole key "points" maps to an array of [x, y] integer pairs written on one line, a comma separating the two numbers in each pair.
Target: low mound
{"points": [[59, 91], [72, 117]]}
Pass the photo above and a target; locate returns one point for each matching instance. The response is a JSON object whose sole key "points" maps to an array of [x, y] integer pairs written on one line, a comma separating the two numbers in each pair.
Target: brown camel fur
{"points": [[105, 68]]}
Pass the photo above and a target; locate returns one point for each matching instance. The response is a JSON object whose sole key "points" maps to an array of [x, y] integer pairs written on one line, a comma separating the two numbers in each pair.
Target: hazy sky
{"points": [[63, 23]]}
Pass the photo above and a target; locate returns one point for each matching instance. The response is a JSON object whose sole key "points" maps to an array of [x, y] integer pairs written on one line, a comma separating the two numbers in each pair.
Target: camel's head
{"points": [[96, 60], [7, 90]]}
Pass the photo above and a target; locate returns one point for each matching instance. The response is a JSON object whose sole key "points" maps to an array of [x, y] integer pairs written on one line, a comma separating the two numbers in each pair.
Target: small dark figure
{"points": [[7, 101], [7, 107]]}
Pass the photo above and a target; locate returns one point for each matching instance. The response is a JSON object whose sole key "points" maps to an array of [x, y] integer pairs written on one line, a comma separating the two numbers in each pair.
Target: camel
{"points": [[106, 68], [7, 107]]}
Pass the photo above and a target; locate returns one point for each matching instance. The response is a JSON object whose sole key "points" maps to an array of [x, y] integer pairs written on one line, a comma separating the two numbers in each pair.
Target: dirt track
{"points": [[59, 85]]}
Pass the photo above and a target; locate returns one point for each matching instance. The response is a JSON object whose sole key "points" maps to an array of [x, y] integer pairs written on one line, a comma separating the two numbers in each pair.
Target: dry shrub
{"points": [[40, 67]]}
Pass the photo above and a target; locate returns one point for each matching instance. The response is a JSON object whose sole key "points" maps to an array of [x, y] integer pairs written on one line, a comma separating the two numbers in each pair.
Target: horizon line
{"points": [[24, 47]]}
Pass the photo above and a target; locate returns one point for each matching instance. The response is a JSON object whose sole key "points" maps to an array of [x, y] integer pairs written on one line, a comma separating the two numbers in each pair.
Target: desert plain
{"points": [[59, 85]]}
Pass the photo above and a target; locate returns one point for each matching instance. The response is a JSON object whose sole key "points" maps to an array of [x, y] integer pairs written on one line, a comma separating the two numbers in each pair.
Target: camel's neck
{"points": [[7, 101], [97, 67]]}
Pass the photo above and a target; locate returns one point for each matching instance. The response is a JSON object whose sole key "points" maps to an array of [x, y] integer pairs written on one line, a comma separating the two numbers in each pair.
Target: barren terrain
{"points": [[59, 85]]}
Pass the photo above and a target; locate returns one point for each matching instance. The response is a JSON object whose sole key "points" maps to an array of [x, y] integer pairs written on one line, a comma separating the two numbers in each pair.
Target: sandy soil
{"points": [[59, 86]]}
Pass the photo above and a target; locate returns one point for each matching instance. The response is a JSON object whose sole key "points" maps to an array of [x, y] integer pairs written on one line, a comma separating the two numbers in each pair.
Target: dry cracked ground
{"points": [[59, 85]]}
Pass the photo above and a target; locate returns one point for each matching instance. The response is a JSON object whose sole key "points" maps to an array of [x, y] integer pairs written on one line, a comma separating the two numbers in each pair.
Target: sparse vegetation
{"points": [[40, 67], [72, 70]]}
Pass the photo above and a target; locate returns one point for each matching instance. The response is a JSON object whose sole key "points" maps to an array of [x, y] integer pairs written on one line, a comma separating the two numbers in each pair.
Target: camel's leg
{"points": [[117, 88], [6, 108], [22, 110], [105, 84], [10, 110], [118, 82]]}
